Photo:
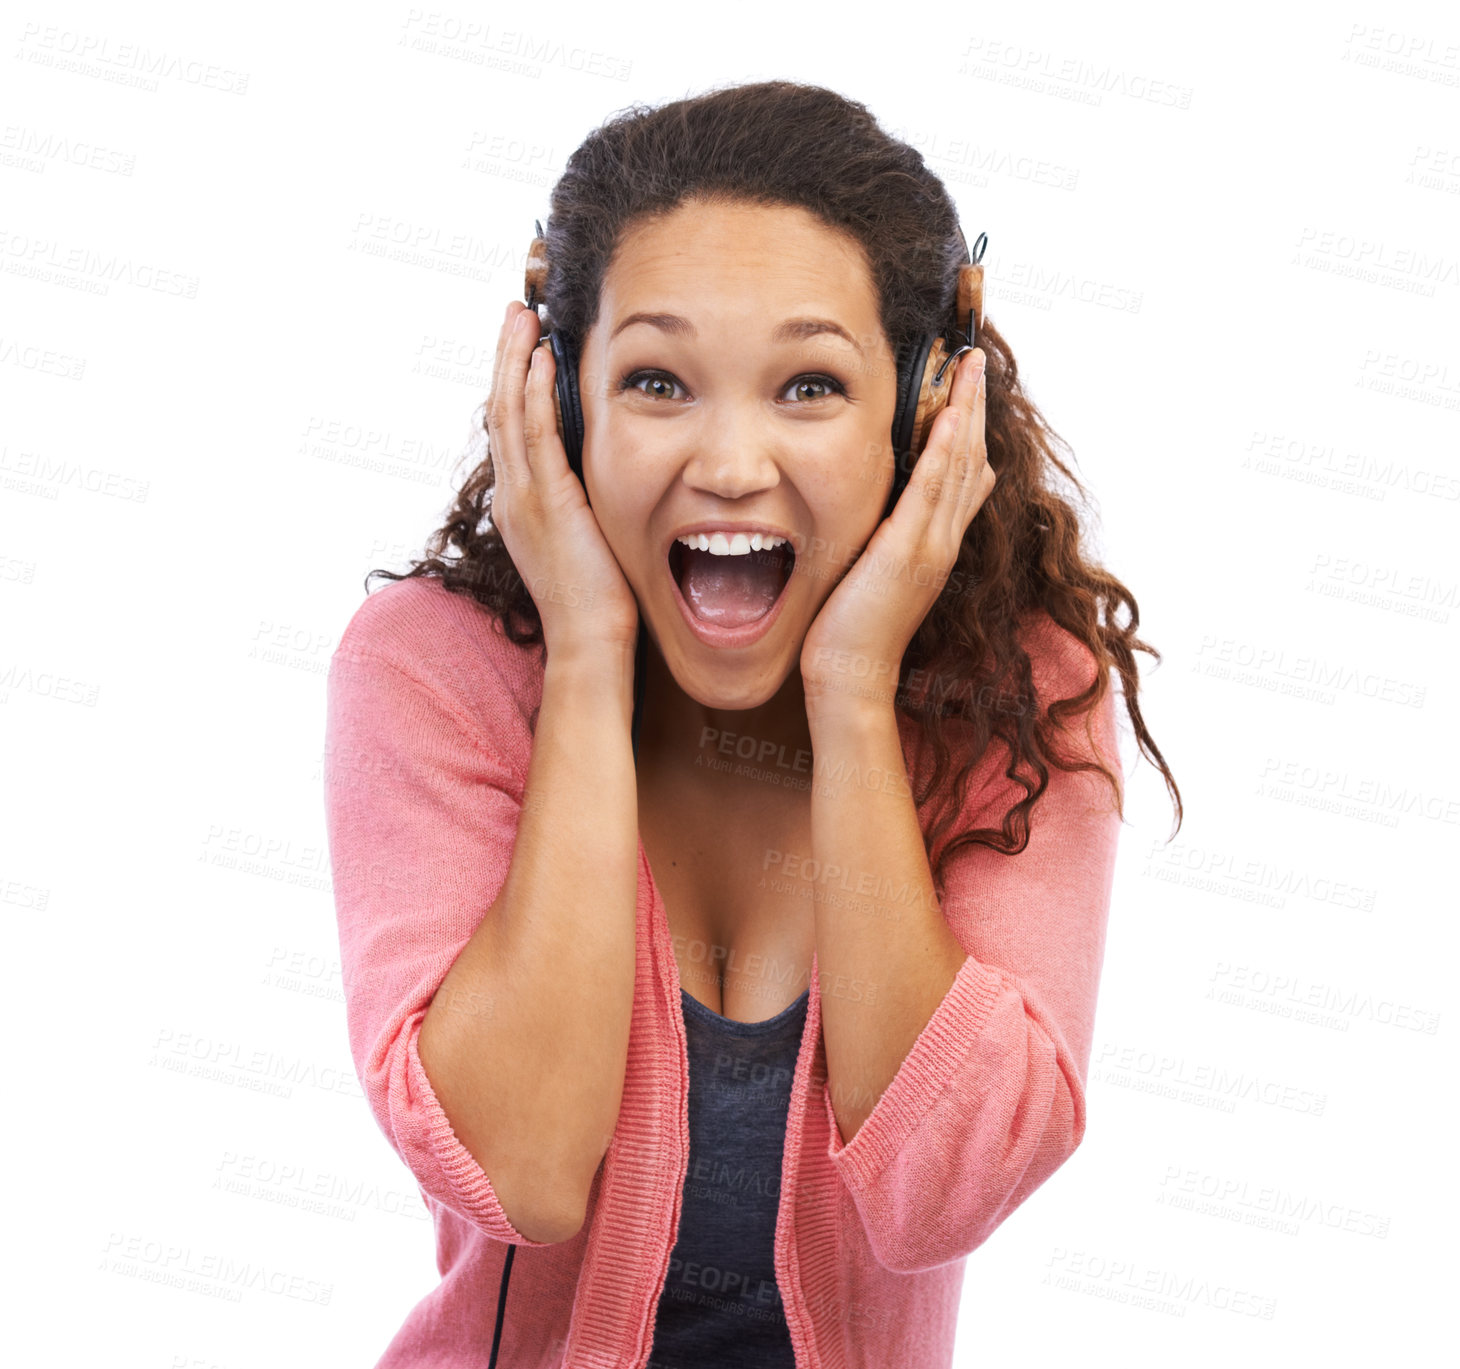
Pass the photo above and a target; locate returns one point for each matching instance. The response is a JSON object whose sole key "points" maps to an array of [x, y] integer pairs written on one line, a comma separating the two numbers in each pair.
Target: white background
{"points": [[1223, 245]]}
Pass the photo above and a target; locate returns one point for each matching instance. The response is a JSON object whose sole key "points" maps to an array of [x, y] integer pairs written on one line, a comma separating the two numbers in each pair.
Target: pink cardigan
{"points": [[429, 734]]}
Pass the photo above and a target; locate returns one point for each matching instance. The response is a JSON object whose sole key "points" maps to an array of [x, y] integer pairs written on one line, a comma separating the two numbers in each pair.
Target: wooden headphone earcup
{"points": [[970, 296], [932, 399], [534, 285]]}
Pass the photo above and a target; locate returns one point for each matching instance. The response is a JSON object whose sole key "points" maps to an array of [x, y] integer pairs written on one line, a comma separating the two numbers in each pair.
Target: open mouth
{"points": [[731, 591]]}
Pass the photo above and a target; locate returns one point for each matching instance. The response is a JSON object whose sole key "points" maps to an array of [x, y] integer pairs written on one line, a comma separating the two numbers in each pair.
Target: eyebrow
{"points": [[792, 330]]}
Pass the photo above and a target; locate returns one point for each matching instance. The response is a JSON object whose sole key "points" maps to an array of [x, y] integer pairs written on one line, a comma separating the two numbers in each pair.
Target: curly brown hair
{"points": [[785, 143]]}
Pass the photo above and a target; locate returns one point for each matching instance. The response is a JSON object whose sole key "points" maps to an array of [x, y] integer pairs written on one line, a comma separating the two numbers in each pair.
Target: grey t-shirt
{"points": [[721, 1307]]}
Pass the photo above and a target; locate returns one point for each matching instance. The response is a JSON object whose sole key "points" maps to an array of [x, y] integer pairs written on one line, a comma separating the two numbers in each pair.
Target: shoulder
{"points": [[453, 647], [1060, 663], [1063, 666]]}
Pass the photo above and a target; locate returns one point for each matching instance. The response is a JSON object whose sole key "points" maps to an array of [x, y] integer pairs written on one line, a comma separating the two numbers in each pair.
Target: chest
{"points": [[742, 928]]}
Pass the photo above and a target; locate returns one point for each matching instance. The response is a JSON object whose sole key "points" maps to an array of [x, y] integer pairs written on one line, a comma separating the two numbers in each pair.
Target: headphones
{"points": [[922, 365]]}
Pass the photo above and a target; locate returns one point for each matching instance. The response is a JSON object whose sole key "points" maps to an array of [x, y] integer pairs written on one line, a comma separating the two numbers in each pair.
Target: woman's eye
{"points": [[809, 388], [652, 383]]}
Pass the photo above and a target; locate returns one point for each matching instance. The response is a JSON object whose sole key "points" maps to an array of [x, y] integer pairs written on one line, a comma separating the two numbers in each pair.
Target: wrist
{"points": [[845, 702], [836, 681], [596, 666]]}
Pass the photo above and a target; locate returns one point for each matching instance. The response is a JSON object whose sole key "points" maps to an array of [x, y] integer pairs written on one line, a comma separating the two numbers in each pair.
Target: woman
{"points": [[719, 1029]]}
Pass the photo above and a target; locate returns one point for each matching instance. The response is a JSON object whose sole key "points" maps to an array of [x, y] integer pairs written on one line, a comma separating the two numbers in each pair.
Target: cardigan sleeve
{"points": [[421, 819], [990, 1100]]}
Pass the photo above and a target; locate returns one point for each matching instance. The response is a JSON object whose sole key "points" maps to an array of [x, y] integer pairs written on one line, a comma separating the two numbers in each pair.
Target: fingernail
{"points": [[508, 314]]}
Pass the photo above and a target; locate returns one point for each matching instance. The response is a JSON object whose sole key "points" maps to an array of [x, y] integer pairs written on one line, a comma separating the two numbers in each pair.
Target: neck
{"points": [[679, 733]]}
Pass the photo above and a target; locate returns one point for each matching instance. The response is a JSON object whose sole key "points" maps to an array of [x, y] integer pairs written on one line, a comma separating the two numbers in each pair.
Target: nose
{"points": [[732, 454]]}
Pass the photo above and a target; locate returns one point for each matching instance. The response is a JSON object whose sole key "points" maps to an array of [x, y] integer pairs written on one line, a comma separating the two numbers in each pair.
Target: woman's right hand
{"points": [[539, 506]]}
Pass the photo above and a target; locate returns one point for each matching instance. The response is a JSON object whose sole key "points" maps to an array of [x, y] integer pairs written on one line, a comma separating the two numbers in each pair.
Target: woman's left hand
{"points": [[855, 644]]}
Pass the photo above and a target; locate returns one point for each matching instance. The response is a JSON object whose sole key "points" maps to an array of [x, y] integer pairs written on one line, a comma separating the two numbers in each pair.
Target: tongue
{"points": [[729, 591]]}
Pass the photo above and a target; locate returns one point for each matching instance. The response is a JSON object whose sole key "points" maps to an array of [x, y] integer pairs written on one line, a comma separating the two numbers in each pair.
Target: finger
{"points": [[513, 307], [509, 392], [540, 420], [496, 441], [968, 443], [978, 432], [503, 333], [983, 475], [940, 472], [927, 485]]}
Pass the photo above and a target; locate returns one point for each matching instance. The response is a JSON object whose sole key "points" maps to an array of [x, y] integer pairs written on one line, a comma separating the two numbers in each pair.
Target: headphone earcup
{"points": [[919, 401], [933, 393], [566, 402], [911, 362]]}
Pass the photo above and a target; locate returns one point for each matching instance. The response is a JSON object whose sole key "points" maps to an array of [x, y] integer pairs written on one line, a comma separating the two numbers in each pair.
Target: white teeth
{"points": [[717, 544]]}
